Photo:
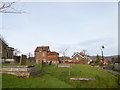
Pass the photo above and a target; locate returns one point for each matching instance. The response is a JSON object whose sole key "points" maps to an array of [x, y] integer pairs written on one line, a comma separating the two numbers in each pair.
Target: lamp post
{"points": [[102, 53]]}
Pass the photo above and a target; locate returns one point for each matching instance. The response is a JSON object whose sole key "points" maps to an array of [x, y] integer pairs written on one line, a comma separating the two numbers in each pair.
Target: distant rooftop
{"points": [[39, 47]]}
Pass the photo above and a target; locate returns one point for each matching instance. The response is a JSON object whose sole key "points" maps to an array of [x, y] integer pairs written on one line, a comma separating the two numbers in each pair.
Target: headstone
{"points": [[77, 78], [23, 59], [43, 63], [64, 66], [50, 63], [119, 81]]}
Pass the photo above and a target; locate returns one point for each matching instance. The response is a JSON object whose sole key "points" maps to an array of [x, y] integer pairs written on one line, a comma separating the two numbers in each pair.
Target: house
{"points": [[65, 59], [117, 63], [52, 56], [43, 54], [3, 49], [31, 59], [6, 52], [10, 52], [79, 58], [105, 61]]}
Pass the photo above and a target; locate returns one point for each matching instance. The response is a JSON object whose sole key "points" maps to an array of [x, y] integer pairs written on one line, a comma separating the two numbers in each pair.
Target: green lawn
{"points": [[116, 70], [53, 77]]}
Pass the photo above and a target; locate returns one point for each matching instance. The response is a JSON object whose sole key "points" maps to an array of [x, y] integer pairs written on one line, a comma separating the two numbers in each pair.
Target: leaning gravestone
{"points": [[23, 59], [50, 63]]}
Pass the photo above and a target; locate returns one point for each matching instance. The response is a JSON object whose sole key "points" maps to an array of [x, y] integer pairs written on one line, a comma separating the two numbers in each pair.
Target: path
{"points": [[109, 68]]}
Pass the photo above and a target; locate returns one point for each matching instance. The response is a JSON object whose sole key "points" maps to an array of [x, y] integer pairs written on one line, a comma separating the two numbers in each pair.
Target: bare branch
{"points": [[16, 52], [4, 6], [7, 8]]}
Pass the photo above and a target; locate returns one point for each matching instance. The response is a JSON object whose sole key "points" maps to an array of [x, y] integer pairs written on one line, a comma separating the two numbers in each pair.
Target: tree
{"points": [[63, 52], [97, 59], [7, 7], [84, 51], [16, 52], [29, 54]]}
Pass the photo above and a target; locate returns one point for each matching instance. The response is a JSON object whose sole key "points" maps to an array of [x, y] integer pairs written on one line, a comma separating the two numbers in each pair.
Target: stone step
{"points": [[77, 78]]}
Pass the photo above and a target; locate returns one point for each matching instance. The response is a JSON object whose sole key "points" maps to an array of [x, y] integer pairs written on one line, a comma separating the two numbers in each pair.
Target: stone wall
{"points": [[117, 66], [19, 70]]}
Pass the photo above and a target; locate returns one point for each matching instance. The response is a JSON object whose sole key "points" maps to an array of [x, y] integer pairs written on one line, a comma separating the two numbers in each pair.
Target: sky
{"points": [[60, 25]]}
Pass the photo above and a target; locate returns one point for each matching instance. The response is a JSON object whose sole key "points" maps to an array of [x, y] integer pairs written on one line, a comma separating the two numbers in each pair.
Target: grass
{"points": [[53, 77], [104, 79], [43, 81], [116, 70]]}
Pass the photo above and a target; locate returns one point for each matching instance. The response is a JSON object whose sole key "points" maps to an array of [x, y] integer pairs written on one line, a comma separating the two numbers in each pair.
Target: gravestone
{"points": [[64, 66], [23, 59], [50, 63], [77, 78]]}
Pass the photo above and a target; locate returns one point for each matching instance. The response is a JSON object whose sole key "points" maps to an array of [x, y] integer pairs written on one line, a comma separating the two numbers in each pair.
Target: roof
{"points": [[65, 57], [51, 56], [11, 48], [2, 41], [77, 53], [31, 58], [39, 47], [53, 53]]}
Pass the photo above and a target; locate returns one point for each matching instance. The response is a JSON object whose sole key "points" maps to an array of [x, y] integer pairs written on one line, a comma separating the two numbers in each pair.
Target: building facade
{"points": [[6, 52], [41, 54], [79, 58], [52, 56]]}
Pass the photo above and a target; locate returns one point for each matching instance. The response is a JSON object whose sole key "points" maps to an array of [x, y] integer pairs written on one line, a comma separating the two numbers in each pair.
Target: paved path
{"points": [[109, 68], [115, 72]]}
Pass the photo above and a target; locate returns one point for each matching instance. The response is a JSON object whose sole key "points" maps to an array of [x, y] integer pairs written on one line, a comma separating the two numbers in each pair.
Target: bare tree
{"points": [[63, 52], [84, 51], [16, 52], [29, 54], [7, 7]]}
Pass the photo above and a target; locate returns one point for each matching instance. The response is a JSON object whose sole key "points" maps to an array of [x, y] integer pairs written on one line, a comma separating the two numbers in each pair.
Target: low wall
{"points": [[117, 66], [19, 70]]}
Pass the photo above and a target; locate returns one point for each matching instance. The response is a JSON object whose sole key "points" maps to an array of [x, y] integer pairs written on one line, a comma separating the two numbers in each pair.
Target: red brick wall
{"points": [[53, 58], [39, 56]]}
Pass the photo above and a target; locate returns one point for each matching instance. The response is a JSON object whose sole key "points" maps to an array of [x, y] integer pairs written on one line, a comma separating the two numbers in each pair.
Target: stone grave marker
{"points": [[23, 59], [78, 78], [50, 63], [64, 66]]}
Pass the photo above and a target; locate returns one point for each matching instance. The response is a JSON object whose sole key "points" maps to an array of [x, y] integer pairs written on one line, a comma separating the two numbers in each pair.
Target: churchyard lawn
{"points": [[53, 77]]}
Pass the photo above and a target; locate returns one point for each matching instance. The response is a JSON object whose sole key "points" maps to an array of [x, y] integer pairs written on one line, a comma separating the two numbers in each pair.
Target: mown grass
{"points": [[104, 79], [43, 81], [53, 77]]}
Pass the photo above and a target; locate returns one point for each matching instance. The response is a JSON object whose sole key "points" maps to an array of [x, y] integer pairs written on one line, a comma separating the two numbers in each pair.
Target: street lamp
{"points": [[102, 53]]}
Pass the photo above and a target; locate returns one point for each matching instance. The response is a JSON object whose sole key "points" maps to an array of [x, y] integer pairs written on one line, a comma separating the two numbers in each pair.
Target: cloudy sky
{"points": [[60, 25]]}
